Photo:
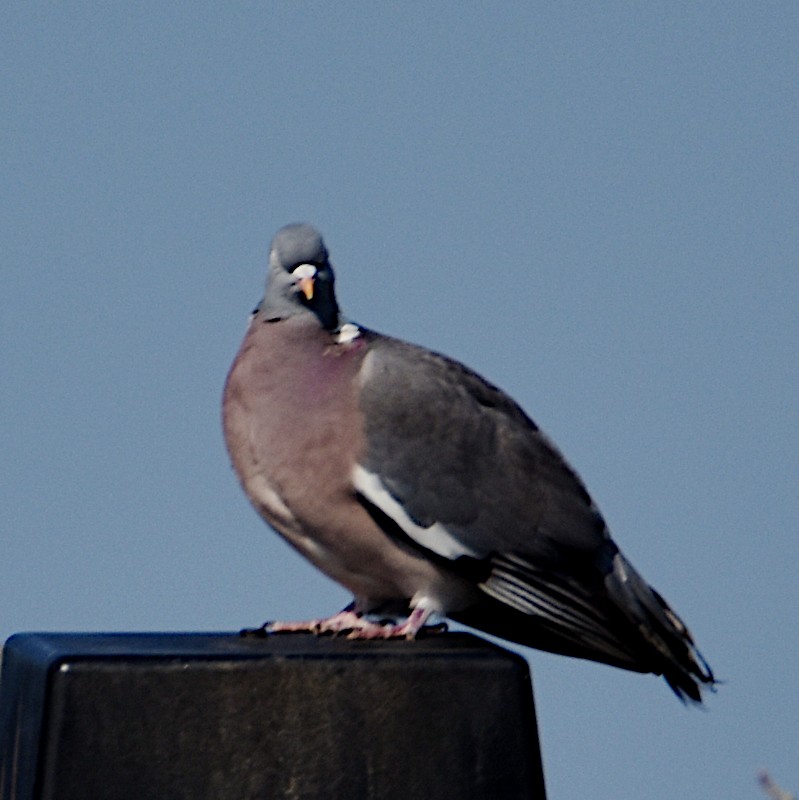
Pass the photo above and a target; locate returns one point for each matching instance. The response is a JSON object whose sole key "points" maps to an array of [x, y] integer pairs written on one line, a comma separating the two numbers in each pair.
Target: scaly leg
{"points": [[355, 625]]}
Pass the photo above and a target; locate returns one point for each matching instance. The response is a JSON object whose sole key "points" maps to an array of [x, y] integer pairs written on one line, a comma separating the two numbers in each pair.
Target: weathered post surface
{"points": [[217, 716]]}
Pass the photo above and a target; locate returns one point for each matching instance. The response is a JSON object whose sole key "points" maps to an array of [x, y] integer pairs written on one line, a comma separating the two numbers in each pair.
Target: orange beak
{"points": [[306, 287]]}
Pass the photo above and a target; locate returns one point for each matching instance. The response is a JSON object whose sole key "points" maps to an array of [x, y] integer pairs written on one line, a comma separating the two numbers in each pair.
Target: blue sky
{"points": [[594, 206]]}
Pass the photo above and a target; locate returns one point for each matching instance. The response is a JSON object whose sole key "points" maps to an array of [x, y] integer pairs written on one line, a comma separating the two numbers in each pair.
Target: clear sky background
{"points": [[594, 205]]}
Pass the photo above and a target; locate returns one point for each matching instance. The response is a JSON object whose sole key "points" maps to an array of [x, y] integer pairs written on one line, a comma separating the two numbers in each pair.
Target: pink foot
{"points": [[403, 630], [356, 626], [343, 621]]}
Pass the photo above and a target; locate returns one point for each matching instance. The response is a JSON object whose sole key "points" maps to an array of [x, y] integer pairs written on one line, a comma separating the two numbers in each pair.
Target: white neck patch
{"points": [[347, 333]]}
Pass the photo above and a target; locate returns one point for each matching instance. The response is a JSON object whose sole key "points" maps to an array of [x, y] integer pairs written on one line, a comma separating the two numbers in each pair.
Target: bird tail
{"points": [[621, 621], [674, 653]]}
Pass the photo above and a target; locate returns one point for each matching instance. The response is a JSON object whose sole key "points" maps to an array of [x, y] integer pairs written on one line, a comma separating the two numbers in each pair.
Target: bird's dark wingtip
{"points": [[691, 685]]}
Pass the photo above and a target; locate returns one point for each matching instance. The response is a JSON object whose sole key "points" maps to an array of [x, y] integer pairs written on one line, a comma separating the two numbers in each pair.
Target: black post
{"points": [[217, 716]]}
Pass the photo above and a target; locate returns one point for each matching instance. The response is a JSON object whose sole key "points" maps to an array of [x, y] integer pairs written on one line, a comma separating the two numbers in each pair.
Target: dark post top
{"points": [[218, 716]]}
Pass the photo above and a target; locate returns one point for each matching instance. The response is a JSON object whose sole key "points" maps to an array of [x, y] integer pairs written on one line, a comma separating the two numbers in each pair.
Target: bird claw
{"points": [[403, 630], [255, 633], [409, 629], [355, 625]]}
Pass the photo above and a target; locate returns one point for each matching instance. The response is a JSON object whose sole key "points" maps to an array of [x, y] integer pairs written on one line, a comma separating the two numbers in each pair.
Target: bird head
{"points": [[300, 278]]}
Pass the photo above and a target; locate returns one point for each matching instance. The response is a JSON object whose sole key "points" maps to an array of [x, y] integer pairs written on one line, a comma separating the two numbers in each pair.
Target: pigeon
{"points": [[425, 490]]}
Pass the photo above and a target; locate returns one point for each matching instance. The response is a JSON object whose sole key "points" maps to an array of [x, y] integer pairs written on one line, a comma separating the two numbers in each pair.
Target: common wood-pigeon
{"points": [[425, 490]]}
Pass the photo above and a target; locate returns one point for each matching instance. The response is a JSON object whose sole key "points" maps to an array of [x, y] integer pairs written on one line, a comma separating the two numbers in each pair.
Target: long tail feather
{"points": [[617, 619]]}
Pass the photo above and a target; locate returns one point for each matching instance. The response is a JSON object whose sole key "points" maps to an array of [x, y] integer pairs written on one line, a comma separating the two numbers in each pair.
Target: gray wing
{"points": [[454, 465], [460, 457]]}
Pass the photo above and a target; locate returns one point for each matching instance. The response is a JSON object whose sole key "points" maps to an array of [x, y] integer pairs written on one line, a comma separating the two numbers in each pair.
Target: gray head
{"points": [[300, 279]]}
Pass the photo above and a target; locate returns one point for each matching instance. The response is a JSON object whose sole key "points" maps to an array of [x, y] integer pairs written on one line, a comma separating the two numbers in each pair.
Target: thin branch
{"points": [[771, 788]]}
